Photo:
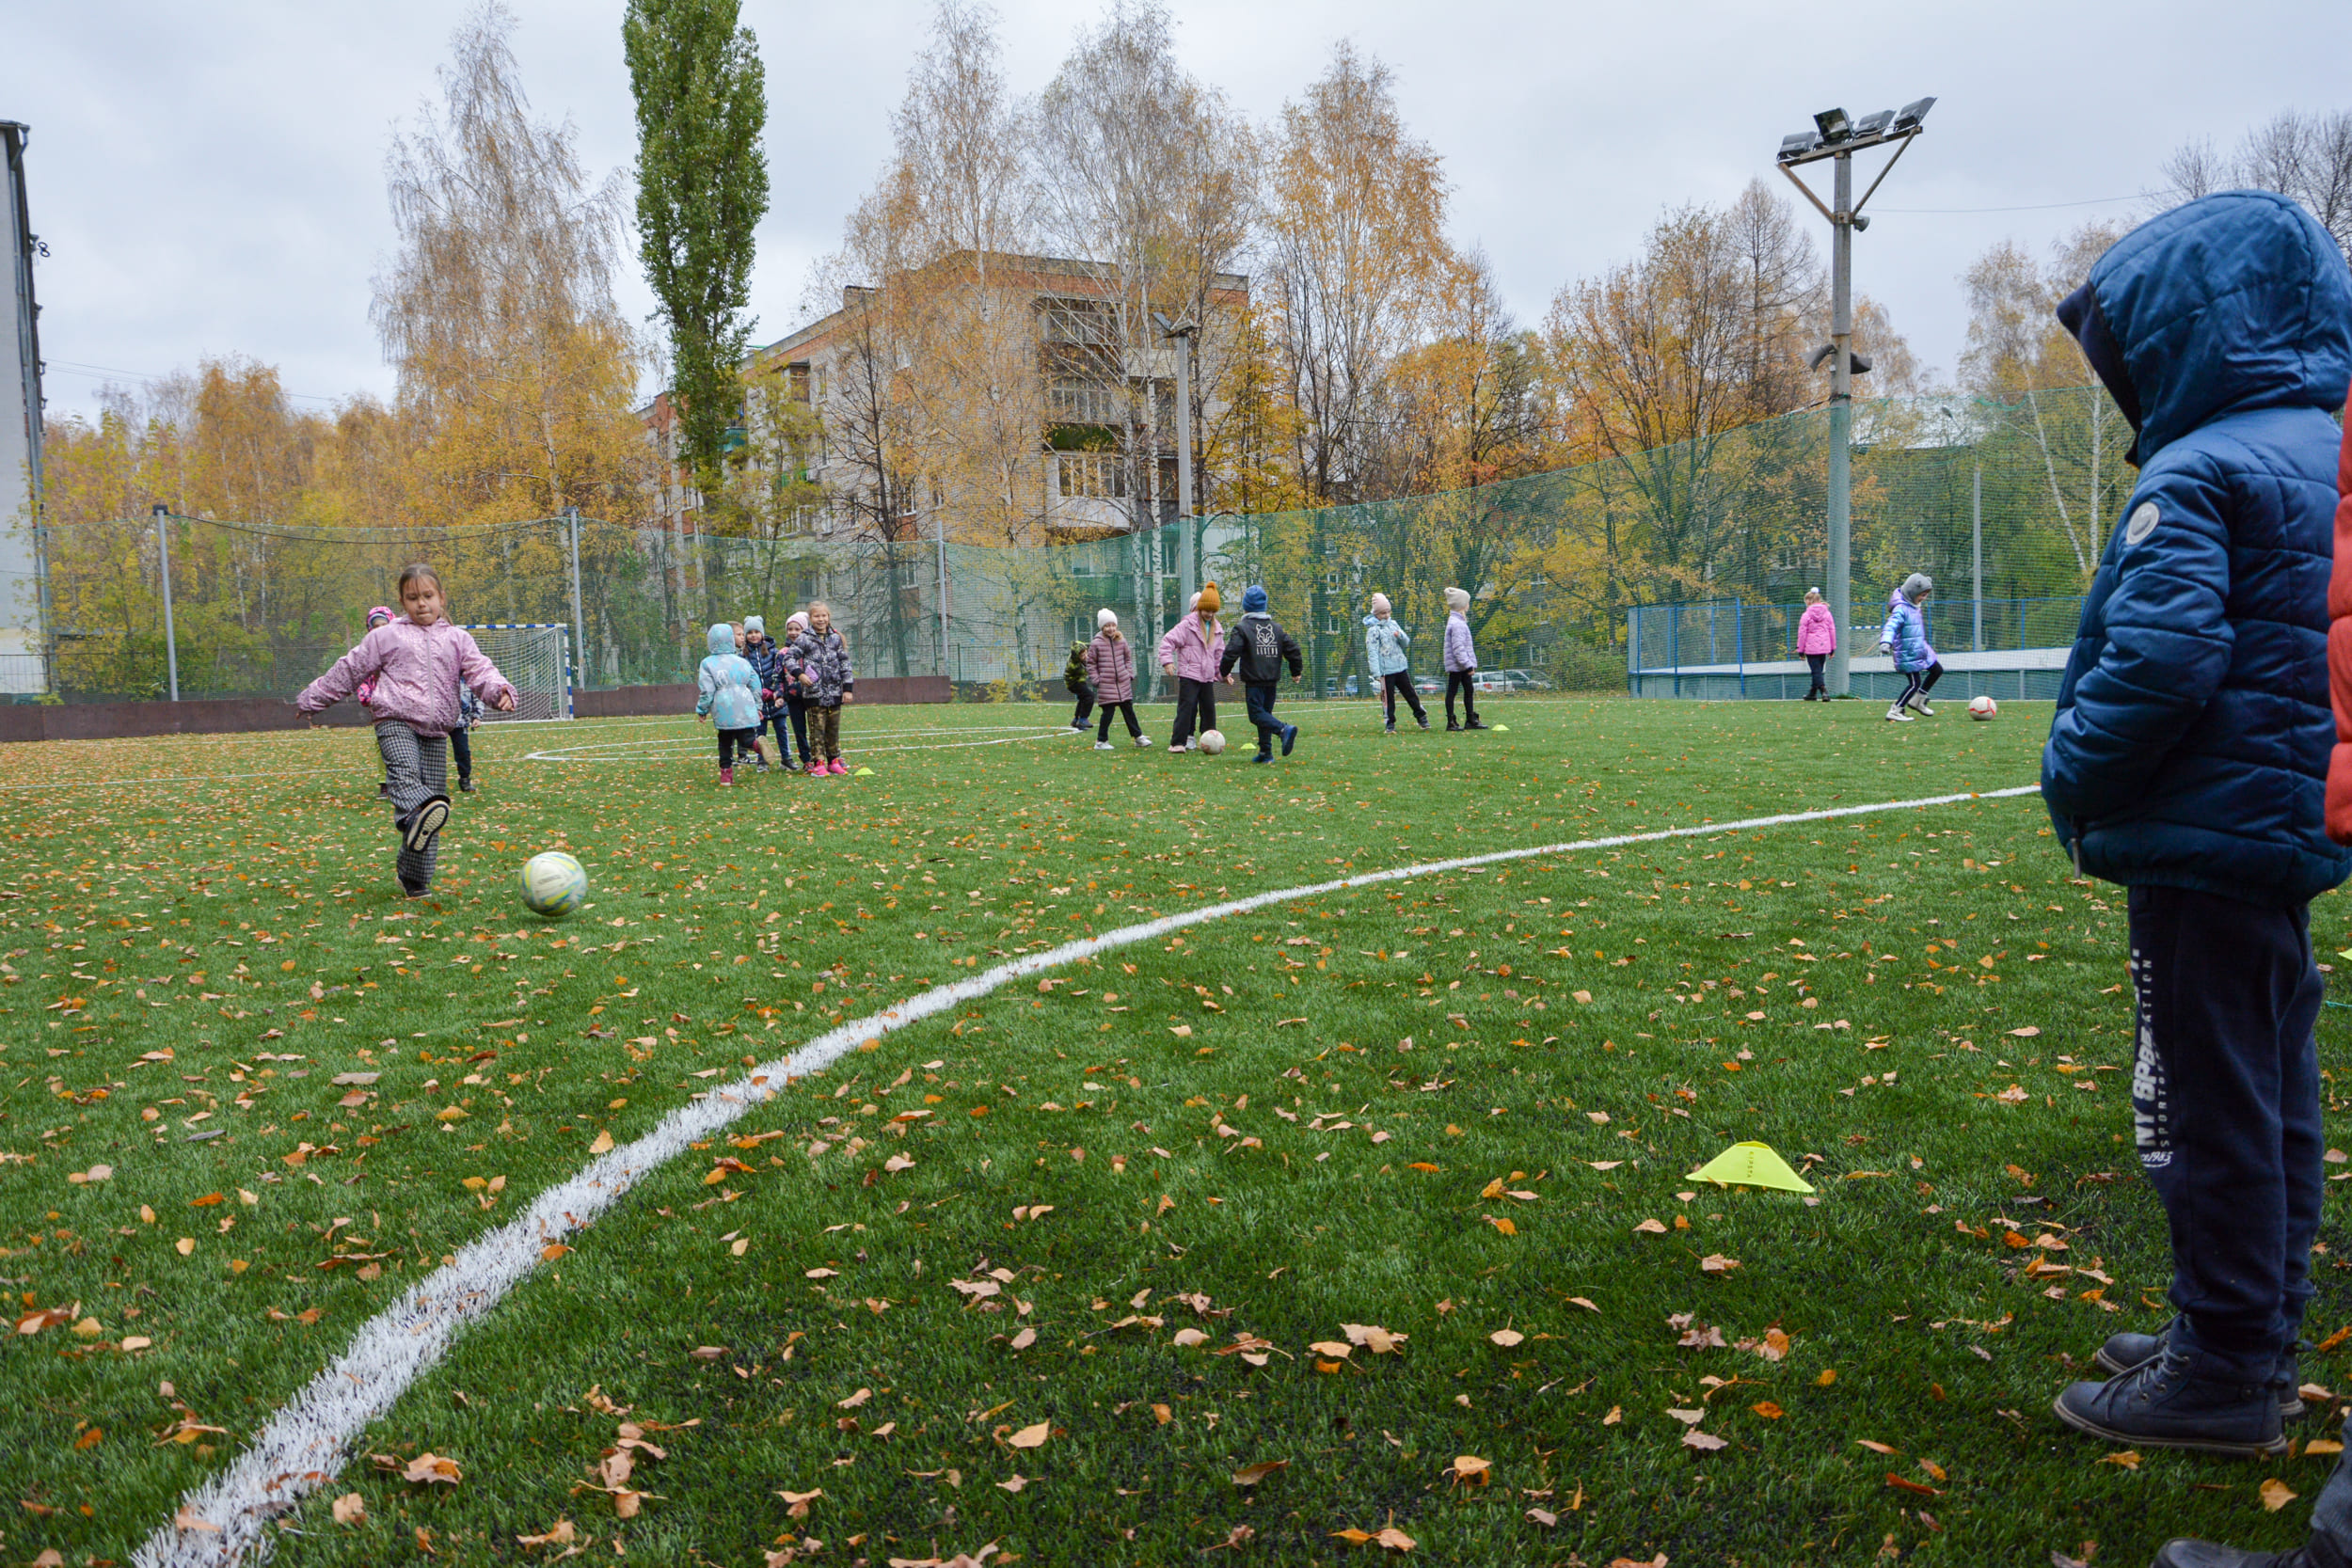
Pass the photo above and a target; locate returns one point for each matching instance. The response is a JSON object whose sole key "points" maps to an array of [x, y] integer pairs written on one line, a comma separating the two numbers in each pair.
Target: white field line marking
{"points": [[306, 1442], [700, 745]]}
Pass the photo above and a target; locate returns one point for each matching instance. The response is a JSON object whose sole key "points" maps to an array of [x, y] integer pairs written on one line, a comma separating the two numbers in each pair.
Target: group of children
{"points": [[1197, 653], [753, 683]]}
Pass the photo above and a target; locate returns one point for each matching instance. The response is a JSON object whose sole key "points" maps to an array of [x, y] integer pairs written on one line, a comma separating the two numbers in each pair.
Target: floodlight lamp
{"points": [[1159, 319], [1871, 125], [1908, 116], [1834, 125], [1798, 144], [1860, 222]]}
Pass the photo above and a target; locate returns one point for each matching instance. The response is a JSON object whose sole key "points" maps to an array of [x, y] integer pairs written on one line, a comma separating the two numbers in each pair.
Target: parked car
{"points": [[1429, 685], [1527, 680], [1493, 681], [1331, 685]]}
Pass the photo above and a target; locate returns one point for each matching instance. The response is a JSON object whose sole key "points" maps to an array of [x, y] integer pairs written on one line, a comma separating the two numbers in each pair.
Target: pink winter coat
{"points": [[1110, 663], [416, 670], [1192, 651], [1816, 630]]}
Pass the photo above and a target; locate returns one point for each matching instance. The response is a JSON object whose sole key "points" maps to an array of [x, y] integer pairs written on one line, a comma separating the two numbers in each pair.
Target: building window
{"points": [[1084, 402], [1076, 322], [1092, 475]]}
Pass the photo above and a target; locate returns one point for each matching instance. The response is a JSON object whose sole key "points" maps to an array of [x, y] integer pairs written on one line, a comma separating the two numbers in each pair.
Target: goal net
{"points": [[534, 657]]}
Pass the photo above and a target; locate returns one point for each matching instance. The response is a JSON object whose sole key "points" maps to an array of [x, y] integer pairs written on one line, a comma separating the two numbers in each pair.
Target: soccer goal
{"points": [[534, 656]]}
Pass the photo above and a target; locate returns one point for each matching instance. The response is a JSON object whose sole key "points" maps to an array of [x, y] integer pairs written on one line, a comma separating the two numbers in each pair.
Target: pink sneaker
{"points": [[726, 775], [840, 768]]}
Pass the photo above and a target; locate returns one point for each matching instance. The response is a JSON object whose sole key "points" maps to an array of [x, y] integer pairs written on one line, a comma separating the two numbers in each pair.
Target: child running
{"points": [[821, 662], [1188, 653], [1385, 645], [1110, 663], [767, 662], [729, 697], [415, 663], [1905, 635], [1261, 647], [1461, 661], [1073, 680]]}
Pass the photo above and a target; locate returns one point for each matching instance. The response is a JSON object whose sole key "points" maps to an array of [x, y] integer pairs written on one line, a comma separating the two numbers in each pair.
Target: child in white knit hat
{"points": [[1384, 658]]}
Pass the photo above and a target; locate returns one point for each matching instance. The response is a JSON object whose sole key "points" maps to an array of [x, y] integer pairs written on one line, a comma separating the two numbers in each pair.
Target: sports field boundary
{"points": [[306, 1444]]}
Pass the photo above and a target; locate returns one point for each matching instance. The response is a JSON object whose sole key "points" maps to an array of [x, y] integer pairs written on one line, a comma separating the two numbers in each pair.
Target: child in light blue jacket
{"points": [[730, 697], [1385, 657]]}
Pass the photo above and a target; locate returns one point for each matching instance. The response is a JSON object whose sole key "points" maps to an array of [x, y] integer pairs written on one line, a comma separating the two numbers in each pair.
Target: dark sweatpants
{"points": [[731, 740], [798, 708], [1085, 706], [1817, 660], [1126, 709], [1921, 683], [2225, 1104], [1195, 700], [1261, 715], [1459, 680], [1400, 684], [461, 749]]}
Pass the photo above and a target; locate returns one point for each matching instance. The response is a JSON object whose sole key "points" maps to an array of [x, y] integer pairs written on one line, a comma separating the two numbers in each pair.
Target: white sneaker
{"points": [[1898, 715], [1144, 741], [1922, 706], [1102, 745]]}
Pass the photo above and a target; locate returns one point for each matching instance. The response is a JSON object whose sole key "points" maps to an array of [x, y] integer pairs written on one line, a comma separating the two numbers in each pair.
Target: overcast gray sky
{"points": [[209, 178]]}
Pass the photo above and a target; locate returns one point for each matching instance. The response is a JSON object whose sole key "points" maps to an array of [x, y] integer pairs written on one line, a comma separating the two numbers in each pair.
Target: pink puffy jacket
{"points": [[1816, 630], [416, 670], [1193, 649]]}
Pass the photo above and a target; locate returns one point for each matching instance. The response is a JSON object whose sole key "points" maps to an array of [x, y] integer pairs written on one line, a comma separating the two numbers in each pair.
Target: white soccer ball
{"points": [[1982, 707], [1213, 741], [553, 885]]}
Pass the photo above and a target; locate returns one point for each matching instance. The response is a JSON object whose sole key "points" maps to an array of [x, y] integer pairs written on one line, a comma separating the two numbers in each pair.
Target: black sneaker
{"points": [[1424, 723], [2316, 1553], [2177, 1401], [421, 826], [1475, 724], [464, 784], [1450, 726], [1290, 738], [1389, 728], [2123, 1351], [384, 789], [414, 889], [1263, 756]]}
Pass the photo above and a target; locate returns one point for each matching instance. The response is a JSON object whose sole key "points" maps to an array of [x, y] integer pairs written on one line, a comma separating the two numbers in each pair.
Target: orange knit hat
{"points": [[1210, 604]]}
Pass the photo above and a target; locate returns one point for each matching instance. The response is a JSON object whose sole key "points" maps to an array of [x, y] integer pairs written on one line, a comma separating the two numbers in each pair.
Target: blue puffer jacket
{"points": [[1906, 635], [2191, 739], [729, 687], [1385, 645]]}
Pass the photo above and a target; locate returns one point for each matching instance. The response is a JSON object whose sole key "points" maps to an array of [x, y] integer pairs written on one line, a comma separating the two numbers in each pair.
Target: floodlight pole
{"points": [[172, 642], [1841, 424], [1186, 567], [580, 631]]}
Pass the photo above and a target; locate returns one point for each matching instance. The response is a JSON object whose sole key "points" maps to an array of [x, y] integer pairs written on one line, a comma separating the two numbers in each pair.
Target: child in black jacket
{"points": [[1073, 678], [1261, 647]]}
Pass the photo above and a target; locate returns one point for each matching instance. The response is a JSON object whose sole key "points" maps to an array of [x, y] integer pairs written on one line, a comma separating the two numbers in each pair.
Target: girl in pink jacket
{"points": [[414, 665], [1110, 666], [1190, 652], [1817, 639]]}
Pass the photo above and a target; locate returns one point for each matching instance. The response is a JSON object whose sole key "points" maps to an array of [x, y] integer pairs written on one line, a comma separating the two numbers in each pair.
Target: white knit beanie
{"points": [[1456, 600], [1105, 618], [1379, 604]]}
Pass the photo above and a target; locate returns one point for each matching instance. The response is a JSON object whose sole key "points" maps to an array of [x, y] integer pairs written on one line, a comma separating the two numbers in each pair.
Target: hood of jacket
{"points": [[721, 638], [2232, 303]]}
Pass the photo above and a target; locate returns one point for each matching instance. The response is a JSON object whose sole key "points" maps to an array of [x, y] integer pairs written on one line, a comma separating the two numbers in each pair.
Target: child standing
{"points": [[461, 738], [1189, 653], [729, 688], [820, 659], [1385, 645], [788, 686], [1261, 647], [1110, 665], [2188, 761], [767, 662], [1817, 639], [1074, 679], [1905, 635], [415, 665], [1461, 661]]}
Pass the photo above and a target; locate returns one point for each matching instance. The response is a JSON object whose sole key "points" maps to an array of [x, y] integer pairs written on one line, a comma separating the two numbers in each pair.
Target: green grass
{"points": [[250, 928]]}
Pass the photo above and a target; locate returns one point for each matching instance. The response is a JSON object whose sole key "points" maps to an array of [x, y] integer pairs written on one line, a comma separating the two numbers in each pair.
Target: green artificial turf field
{"points": [[1364, 1213]]}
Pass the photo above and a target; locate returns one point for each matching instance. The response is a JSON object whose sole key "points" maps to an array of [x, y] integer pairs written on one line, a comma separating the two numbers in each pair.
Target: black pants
{"points": [[2225, 1106], [1194, 700], [798, 708], [731, 739], [1922, 682], [1126, 710], [1817, 660], [1400, 684], [1459, 680], [1261, 699], [461, 748], [1085, 706]]}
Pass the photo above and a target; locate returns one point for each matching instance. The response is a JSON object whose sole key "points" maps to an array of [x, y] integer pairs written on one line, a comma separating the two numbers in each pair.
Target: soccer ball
{"points": [[1982, 707], [553, 885], [1213, 741]]}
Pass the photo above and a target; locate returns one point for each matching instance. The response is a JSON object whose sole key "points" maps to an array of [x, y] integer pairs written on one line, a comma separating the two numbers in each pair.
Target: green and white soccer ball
{"points": [[553, 885]]}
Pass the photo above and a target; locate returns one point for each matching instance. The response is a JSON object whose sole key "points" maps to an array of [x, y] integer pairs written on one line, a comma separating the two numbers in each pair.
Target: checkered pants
{"points": [[417, 768]]}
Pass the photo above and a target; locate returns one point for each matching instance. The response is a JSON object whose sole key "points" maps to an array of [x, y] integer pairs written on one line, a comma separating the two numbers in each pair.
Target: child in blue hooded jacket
{"points": [[729, 699], [2187, 761]]}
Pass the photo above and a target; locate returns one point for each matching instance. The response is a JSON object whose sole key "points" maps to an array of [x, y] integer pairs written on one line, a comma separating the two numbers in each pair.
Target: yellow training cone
{"points": [[1751, 1164], [862, 773], [1502, 729]]}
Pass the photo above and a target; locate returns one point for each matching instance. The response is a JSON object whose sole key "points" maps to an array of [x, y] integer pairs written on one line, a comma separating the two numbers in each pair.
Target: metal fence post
{"points": [[579, 629], [172, 642]]}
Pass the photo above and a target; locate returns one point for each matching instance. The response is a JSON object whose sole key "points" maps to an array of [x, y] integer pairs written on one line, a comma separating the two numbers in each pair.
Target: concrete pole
{"points": [[1841, 424], [1188, 567], [171, 641], [1975, 540], [579, 626]]}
